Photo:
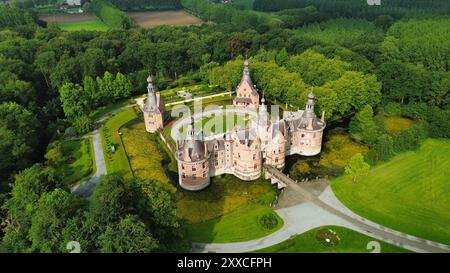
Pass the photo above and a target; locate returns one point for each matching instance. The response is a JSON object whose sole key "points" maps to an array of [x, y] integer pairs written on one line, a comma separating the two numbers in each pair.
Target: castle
{"points": [[243, 151]]}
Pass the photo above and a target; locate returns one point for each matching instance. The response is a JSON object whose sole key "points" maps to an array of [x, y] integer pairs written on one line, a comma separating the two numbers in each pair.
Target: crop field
{"points": [[151, 19], [75, 22]]}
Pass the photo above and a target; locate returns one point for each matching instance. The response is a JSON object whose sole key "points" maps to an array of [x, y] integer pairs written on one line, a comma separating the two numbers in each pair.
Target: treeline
{"points": [[79, 101], [231, 17], [288, 79], [43, 216], [358, 8], [111, 16], [12, 16], [146, 4]]}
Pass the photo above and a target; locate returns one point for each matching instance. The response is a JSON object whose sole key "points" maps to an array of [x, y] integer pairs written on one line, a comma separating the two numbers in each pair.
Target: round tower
{"points": [[193, 161]]}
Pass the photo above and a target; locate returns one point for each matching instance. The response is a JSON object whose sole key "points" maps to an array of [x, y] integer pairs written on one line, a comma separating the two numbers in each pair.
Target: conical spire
{"points": [[152, 104], [246, 72], [190, 129], [310, 103]]}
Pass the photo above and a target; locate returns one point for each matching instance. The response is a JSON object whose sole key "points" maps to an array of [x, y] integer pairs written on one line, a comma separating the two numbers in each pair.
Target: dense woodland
{"points": [[362, 63]]}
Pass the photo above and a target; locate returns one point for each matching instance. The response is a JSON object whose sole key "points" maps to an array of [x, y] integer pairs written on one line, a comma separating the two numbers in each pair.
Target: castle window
{"points": [[204, 164], [194, 169], [276, 159], [254, 156], [194, 175], [255, 166], [303, 135], [182, 166], [204, 174], [183, 175]]}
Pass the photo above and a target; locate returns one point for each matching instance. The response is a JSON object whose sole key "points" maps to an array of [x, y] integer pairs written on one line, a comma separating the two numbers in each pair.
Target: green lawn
{"points": [[349, 241], [145, 153], [116, 162], [393, 125], [240, 225], [96, 25], [226, 194], [79, 164], [410, 193]]}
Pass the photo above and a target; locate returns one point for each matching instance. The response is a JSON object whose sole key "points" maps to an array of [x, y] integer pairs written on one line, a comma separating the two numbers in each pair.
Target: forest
{"points": [[361, 62]]}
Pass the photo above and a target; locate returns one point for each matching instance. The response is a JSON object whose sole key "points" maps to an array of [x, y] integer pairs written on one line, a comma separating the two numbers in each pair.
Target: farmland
{"points": [[151, 19]]}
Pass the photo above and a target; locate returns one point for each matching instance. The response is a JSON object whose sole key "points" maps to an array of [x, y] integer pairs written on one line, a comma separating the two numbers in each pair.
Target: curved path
{"points": [[315, 209], [321, 209], [87, 188]]}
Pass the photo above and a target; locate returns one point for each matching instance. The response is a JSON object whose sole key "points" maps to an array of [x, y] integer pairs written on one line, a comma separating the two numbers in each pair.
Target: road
{"points": [[86, 189], [314, 209]]}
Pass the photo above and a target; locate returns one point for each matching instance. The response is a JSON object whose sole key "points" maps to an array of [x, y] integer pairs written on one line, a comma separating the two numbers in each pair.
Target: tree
{"points": [[357, 167], [130, 235], [53, 210], [28, 187], [383, 150], [18, 138], [75, 101], [363, 126], [55, 154]]}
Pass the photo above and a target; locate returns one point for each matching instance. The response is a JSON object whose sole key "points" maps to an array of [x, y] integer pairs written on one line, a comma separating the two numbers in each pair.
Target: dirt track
{"points": [[151, 19], [67, 18]]}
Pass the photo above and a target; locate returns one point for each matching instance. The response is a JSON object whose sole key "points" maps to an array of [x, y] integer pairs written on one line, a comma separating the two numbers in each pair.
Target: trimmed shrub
{"points": [[268, 221]]}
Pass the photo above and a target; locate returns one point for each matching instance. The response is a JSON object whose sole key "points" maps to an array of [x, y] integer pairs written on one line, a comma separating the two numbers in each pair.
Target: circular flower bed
{"points": [[327, 237]]}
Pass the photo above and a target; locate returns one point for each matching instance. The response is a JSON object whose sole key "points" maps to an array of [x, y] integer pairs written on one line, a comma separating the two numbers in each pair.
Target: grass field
{"points": [[226, 194], [410, 193], [75, 22], [96, 25], [145, 154], [349, 242], [240, 225], [78, 162], [116, 162], [393, 125]]}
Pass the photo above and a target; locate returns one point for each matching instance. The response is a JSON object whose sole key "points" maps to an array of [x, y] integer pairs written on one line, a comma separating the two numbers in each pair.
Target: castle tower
{"points": [[246, 93], [153, 109], [193, 160], [247, 158], [310, 130]]}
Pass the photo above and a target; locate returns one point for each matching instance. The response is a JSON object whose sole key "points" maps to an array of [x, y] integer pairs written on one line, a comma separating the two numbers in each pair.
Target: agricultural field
{"points": [[410, 193], [342, 240], [75, 22], [150, 19]]}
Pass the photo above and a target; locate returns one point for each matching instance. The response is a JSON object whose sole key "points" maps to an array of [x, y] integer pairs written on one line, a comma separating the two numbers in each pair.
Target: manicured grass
{"points": [[145, 153], [349, 242], [96, 25], [393, 125], [410, 193], [78, 162], [226, 194], [116, 162], [240, 225]]}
